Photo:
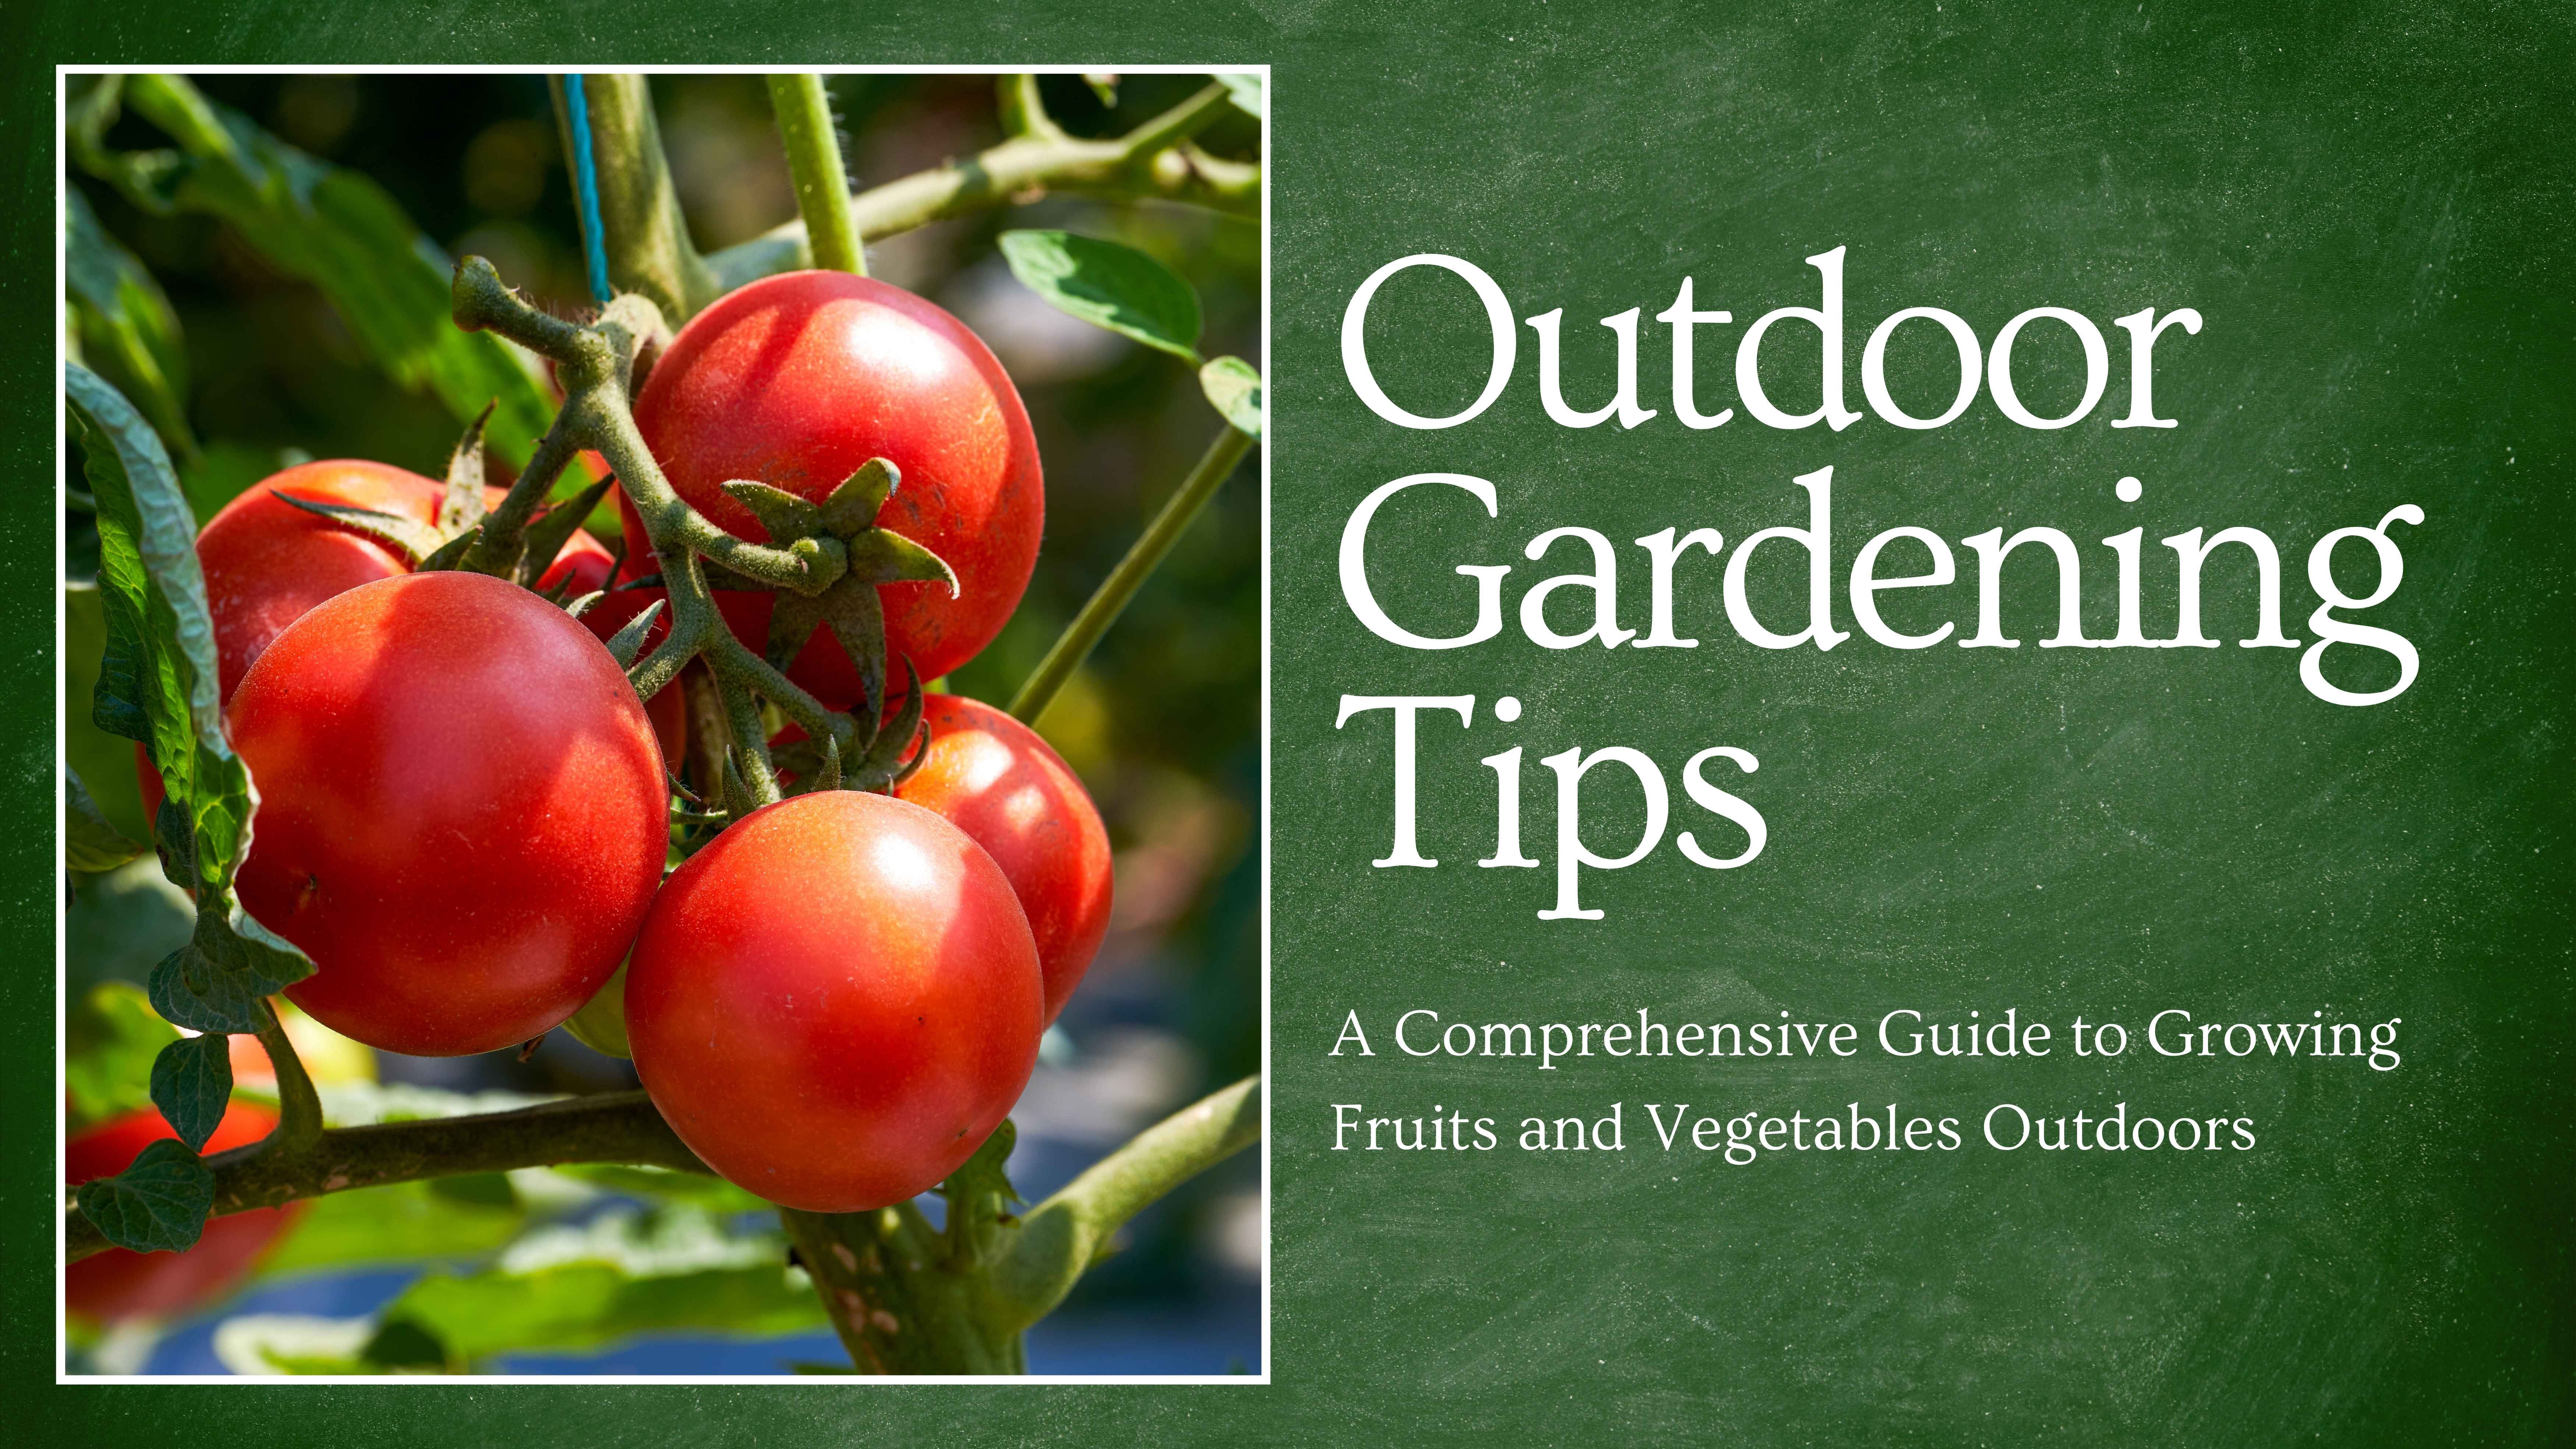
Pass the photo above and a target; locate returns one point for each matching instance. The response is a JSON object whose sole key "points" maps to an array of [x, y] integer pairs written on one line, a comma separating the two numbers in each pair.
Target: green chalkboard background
{"points": [[2370, 205]]}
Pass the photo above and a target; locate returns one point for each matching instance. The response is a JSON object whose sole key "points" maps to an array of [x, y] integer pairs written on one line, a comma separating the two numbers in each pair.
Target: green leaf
{"points": [[110, 1038], [399, 1223], [191, 991], [215, 982], [91, 845], [192, 1083], [1251, 93], [159, 1204], [622, 1273], [157, 681], [127, 328], [1108, 285], [336, 229], [104, 762], [1234, 389]]}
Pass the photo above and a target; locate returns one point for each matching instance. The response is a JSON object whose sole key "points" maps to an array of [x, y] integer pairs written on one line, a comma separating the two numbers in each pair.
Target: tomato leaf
{"points": [[126, 326], [1108, 285], [159, 1204], [90, 843], [110, 1038], [192, 1082], [157, 681], [1233, 388], [565, 1288], [332, 227], [215, 982], [189, 990], [1251, 94]]}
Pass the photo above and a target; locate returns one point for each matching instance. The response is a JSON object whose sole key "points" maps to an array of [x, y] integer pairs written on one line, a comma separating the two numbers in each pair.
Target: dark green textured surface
{"points": [[2370, 206]]}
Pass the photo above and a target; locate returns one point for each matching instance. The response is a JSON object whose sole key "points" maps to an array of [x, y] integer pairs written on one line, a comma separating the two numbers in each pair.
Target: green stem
{"points": [[1061, 1237], [1152, 162], [804, 112], [1110, 599], [609, 1127], [299, 1107]]}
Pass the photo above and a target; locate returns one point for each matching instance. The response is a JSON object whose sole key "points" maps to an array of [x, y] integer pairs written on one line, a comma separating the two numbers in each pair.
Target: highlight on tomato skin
{"points": [[797, 380], [118, 1285], [836, 1001], [431, 739]]}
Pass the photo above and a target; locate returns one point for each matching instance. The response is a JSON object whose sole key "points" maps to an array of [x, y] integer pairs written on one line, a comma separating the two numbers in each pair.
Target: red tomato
{"points": [[462, 811], [992, 777], [267, 561], [797, 380], [118, 1284], [836, 1001]]}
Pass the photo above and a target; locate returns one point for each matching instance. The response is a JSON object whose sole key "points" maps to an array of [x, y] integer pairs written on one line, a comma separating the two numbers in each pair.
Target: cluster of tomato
{"points": [[464, 813]]}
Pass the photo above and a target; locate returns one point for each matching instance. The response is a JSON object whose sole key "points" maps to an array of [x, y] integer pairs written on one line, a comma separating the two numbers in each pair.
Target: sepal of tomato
{"points": [[800, 379]]}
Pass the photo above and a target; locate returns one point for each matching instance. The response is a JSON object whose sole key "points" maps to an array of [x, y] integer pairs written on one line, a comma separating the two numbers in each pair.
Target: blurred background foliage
{"points": [[613, 1270]]}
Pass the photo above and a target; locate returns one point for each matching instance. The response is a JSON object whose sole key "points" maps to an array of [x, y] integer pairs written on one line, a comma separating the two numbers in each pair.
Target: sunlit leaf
{"points": [[1251, 93], [1234, 389], [127, 328], [1108, 285], [337, 229]]}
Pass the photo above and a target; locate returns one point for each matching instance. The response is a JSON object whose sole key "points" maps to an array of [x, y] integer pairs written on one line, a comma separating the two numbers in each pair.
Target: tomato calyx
{"points": [[443, 544]]}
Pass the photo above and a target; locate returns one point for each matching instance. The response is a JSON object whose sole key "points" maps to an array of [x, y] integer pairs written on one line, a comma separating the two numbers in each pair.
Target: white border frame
{"points": [[62, 1346]]}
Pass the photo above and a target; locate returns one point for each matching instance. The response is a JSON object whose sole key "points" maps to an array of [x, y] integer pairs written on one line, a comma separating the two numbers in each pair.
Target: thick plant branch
{"points": [[1154, 162], [642, 230], [1061, 1237], [804, 110], [1107, 602], [612, 1127]]}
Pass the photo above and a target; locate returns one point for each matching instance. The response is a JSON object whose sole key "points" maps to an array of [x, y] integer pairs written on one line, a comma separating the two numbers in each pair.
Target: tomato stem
{"points": [[618, 1127], [1153, 162], [299, 1107], [804, 110], [1107, 602]]}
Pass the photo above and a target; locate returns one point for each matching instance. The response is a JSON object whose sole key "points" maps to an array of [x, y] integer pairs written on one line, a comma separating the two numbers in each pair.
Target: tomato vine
{"points": [[904, 1296]]}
